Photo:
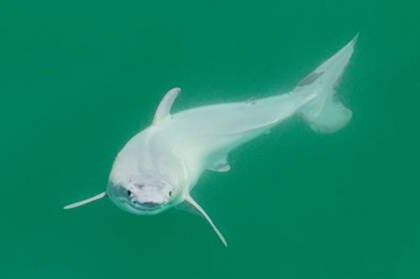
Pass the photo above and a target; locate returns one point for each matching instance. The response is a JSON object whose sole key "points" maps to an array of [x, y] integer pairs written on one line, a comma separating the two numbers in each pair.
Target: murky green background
{"points": [[79, 78]]}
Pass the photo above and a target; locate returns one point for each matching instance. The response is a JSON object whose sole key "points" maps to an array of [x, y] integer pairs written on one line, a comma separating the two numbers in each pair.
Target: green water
{"points": [[79, 78]]}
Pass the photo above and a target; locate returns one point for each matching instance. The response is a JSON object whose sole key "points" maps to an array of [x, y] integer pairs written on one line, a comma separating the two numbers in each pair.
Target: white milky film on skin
{"points": [[158, 168]]}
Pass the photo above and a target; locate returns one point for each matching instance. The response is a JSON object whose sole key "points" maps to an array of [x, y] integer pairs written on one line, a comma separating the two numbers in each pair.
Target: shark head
{"points": [[142, 194]]}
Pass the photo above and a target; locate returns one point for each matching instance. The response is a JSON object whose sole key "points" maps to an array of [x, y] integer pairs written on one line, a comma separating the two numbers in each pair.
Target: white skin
{"points": [[158, 167]]}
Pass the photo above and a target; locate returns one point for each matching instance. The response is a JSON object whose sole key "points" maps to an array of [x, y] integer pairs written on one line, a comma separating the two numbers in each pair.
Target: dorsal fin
{"points": [[164, 108], [189, 200]]}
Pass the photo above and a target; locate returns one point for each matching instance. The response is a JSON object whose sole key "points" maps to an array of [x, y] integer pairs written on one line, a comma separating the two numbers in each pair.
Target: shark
{"points": [[159, 167]]}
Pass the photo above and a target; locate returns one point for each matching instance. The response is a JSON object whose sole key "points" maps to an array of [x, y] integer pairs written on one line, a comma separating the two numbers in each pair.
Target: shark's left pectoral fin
{"points": [[189, 200], [90, 200], [164, 108]]}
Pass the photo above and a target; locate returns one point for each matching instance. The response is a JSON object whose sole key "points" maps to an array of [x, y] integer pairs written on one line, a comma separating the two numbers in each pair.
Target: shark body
{"points": [[158, 168]]}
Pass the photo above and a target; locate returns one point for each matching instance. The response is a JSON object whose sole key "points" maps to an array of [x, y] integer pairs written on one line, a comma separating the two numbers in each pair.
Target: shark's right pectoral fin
{"points": [[190, 201], [90, 200]]}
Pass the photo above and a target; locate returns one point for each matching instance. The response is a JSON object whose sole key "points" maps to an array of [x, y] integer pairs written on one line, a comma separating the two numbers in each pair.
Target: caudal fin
{"points": [[325, 113]]}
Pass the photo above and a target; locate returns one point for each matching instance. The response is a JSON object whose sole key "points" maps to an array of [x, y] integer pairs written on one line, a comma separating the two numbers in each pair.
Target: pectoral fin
{"points": [[164, 108], [189, 200], [90, 200]]}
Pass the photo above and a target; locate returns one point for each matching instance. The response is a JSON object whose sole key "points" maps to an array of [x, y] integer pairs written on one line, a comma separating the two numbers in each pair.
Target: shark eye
{"points": [[170, 193], [129, 193]]}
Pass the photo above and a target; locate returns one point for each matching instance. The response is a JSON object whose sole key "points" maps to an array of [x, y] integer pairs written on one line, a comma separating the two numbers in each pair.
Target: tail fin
{"points": [[325, 113]]}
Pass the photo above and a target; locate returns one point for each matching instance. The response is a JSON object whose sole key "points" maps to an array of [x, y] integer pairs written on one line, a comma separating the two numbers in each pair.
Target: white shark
{"points": [[158, 167]]}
